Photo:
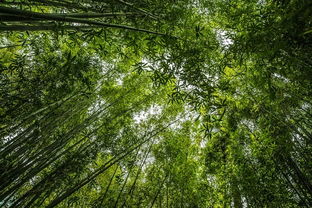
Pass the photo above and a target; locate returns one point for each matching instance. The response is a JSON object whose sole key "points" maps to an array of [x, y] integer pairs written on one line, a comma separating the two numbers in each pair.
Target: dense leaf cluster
{"points": [[157, 103]]}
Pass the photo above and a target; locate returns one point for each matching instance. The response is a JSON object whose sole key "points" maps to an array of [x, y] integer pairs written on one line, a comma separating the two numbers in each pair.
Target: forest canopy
{"points": [[155, 103]]}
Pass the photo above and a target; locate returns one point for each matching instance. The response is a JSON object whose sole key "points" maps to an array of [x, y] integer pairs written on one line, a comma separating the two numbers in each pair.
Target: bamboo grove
{"points": [[177, 103]]}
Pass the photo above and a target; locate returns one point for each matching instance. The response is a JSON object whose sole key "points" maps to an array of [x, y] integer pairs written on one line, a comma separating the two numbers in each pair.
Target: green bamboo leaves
{"points": [[155, 103]]}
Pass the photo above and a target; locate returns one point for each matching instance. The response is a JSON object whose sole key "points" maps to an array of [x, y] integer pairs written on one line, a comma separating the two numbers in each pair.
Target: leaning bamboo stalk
{"points": [[64, 19], [158, 191], [97, 15], [54, 155], [126, 180], [107, 188], [132, 188], [14, 18], [104, 167], [62, 4]]}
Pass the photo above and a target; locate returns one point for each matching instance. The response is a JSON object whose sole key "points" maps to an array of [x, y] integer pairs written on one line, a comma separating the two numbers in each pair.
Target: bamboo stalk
{"points": [[102, 169], [61, 19], [15, 18], [127, 177]]}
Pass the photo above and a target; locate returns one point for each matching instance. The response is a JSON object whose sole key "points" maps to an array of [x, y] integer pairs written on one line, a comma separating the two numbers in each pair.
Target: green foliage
{"points": [[155, 103]]}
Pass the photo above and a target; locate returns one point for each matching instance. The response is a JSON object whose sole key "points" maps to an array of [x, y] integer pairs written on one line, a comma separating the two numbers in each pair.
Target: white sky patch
{"points": [[149, 65], [150, 159], [224, 39], [144, 115], [176, 125], [280, 77], [203, 143], [191, 88], [306, 106], [12, 135], [245, 203], [4, 42], [96, 105], [298, 138], [84, 44], [249, 124], [146, 63], [261, 2], [119, 80], [105, 66], [188, 115]]}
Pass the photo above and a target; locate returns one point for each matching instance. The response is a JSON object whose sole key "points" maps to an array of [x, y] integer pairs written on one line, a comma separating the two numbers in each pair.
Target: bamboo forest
{"points": [[155, 103]]}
